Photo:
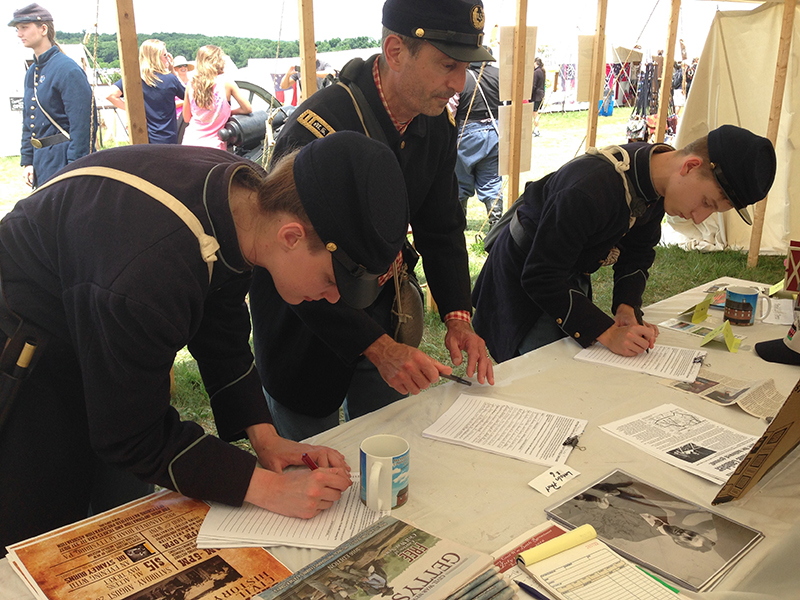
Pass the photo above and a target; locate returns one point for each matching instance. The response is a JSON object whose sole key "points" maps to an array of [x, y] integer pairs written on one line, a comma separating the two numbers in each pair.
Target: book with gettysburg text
{"points": [[388, 559], [667, 535], [142, 550]]}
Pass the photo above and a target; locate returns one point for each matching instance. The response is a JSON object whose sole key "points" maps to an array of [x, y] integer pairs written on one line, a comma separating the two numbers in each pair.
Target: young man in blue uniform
{"points": [[535, 286], [109, 280], [58, 112], [426, 49]]}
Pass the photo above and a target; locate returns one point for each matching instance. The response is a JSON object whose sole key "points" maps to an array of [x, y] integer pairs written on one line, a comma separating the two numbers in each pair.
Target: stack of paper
{"points": [[249, 525], [681, 364], [685, 440], [507, 429]]}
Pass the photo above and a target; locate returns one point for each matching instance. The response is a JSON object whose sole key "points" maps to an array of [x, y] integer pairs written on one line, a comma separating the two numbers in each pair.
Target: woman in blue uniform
{"points": [[111, 270], [58, 119]]}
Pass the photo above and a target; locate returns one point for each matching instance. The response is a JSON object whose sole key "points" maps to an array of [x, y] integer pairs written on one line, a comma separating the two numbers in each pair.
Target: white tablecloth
{"points": [[483, 501]]}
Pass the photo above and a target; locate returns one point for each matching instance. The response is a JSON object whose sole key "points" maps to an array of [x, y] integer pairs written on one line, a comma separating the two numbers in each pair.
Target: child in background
{"points": [[208, 104]]}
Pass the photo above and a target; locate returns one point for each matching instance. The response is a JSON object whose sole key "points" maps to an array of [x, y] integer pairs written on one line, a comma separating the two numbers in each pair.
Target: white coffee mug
{"points": [[384, 471], [742, 305]]}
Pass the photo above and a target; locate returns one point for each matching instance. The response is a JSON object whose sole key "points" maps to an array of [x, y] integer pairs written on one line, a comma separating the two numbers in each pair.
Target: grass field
{"points": [[562, 138]]}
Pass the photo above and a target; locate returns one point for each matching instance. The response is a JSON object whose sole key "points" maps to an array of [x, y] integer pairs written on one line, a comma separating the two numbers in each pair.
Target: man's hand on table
{"points": [[462, 338], [626, 336], [408, 370]]}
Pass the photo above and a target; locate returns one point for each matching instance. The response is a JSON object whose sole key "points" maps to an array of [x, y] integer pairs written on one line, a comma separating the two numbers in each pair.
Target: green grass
{"points": [[562, 138]]}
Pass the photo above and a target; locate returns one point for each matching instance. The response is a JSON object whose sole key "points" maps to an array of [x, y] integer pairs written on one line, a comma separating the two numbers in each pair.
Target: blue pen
{"points": [[531, 590]]}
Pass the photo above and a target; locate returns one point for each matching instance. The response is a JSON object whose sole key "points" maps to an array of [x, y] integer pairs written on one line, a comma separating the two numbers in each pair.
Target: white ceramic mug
{"points": [[384, 471], [742, 305]]}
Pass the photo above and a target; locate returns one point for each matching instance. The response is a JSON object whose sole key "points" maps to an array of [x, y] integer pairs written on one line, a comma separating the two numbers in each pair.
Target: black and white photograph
{"points": [[682, 541]]}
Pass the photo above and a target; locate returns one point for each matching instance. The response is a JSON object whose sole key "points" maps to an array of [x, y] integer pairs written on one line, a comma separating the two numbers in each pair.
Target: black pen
{"points": [[637, 310], [531, 590], [455, 378]]}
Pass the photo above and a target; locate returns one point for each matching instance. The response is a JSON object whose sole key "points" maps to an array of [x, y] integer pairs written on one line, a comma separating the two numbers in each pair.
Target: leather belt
{"points": [[50, 140]]}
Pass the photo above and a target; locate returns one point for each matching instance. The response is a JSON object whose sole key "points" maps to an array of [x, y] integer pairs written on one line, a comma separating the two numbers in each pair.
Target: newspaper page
{"points": [[141, 550], [391, 559], [758, 398], [507, 429], [685, 440], [662, 361], [249, 525]]}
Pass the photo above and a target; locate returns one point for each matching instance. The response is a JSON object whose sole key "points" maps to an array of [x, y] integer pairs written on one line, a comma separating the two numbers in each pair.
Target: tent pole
{"points": [[774, 119], [517, 95], [131, 78], [598, 76], [308, 51], [666, 72]]}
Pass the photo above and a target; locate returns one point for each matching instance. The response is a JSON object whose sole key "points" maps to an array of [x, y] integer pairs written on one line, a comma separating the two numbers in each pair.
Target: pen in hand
{"points": [[309, 462], [637, 310], [455, 378]]}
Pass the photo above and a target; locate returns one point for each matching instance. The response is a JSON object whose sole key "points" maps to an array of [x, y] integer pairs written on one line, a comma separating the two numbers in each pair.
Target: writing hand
{"points": [[627, 341], [297, 493]]}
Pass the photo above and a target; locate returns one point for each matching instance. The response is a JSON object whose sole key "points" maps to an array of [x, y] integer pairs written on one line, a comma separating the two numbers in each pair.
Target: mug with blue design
{"points": [[384, 472], [742, 305]]}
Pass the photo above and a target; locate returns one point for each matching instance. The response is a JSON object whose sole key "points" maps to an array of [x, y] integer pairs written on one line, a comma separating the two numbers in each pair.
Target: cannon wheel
{"points": [[256, 91]]}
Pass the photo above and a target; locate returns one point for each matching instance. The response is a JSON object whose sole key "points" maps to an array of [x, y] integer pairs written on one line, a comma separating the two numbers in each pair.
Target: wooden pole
{"points": [[131, 78], [785, 43], [666, 72], [308, 50], [517, 95], [598, 77]]}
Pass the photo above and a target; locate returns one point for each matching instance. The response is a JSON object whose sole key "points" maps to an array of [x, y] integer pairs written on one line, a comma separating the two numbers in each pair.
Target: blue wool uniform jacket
{"points": [[113, 272], [574, 216], [326, 339], [66, 95]]}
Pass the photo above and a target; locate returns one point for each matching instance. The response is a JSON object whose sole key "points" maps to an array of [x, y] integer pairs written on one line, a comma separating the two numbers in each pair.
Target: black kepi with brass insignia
{"points": [[453, 26]]}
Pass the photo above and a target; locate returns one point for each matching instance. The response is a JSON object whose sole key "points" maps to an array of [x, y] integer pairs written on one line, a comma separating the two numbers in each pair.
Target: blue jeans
{"points": [[368, 392], [476, 168]]}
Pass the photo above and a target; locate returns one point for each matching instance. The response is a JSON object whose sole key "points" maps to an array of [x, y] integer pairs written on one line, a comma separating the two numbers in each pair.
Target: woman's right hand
{"points": [[297, 492]]}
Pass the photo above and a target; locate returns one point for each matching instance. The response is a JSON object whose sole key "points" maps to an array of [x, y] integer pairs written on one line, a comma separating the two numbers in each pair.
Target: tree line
{"points": [[239, 49]]}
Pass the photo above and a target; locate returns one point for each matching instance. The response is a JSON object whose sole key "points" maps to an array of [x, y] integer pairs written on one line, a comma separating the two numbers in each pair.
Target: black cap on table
{"points": [[743, 164], [453, 26], [354, 193], [33, 13]]}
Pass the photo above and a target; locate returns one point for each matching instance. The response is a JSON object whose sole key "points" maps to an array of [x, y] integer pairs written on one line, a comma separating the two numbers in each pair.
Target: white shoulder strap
{"points": [[620, 166], [208, 244]]}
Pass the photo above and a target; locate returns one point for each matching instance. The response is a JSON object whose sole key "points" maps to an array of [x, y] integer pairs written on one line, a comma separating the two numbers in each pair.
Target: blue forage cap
{"points": [[354, 193], [743, 164], [33, 13], [453, 26]]}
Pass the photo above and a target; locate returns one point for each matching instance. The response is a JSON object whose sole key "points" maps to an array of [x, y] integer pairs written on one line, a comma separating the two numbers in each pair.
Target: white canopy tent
{"points": [[733, 84]]}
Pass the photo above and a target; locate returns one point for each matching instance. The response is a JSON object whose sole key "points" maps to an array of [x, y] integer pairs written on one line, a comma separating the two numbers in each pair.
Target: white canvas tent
{"points": [[733, 84]]}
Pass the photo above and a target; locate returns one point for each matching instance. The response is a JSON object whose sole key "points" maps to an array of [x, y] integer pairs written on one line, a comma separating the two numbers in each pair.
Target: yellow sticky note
{"points": [[730, 341], [714, 333], [701, 310], [565, 541], [777, 287]]}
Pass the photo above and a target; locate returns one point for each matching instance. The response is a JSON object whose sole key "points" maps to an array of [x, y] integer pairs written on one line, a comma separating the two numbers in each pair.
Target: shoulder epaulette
{"points": [[315, 124]]}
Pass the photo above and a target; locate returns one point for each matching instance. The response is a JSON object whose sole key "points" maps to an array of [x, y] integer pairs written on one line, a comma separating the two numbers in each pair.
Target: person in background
{"points": [[537, 92], [110, 282], [478, 139], [605, 208], [357, 361], [59, 118], [182, 69], [291, 79], [160, 87], [208, 100]]}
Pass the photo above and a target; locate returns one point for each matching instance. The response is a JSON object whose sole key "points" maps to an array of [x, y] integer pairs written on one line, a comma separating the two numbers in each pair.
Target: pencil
{"points": [[455, 378], [310, 462]]}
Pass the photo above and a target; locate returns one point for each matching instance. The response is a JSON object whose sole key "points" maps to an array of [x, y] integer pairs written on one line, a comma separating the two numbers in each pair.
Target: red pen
{"points": [[310, 462]]}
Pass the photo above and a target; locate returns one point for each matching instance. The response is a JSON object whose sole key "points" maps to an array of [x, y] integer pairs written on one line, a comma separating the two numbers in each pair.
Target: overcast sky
{"points": [[274, 19]]}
